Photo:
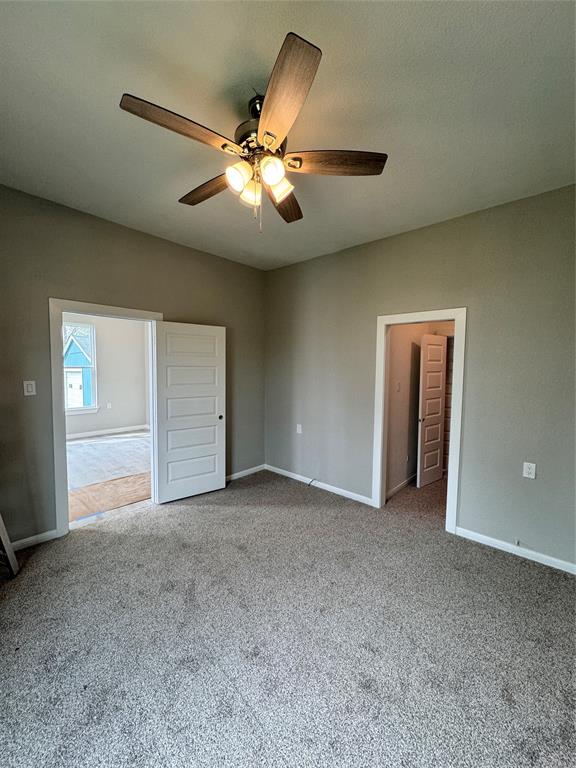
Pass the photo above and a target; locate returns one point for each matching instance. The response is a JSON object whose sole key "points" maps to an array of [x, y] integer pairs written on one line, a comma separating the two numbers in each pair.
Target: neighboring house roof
{"points": [[83, 340], [75, 353]]}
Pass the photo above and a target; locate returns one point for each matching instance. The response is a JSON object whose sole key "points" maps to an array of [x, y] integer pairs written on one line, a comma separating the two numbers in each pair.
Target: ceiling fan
{"points": [[260, 143]]}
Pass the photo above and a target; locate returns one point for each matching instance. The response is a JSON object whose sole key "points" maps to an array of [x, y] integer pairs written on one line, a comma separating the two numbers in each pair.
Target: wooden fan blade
{"points": [[289, 83], [288, 208], [205, 191], [336, 162], [178, 124]]}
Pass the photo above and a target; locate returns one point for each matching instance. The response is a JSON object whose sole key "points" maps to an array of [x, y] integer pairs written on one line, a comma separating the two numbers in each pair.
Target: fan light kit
{"points": [[260, 143], [252, 194], [238, 176]]}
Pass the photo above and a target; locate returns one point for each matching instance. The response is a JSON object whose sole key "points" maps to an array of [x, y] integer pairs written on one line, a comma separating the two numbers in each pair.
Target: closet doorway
{"points": [[418, 404], [419, 394]]}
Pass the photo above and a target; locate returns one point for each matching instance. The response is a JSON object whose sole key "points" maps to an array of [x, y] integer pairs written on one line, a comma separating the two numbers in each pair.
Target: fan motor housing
{"points": [[247, 132], [247, 136]]}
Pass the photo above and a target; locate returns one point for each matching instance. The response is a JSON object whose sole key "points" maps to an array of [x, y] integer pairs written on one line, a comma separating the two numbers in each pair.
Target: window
{"points": [[79, 367]]}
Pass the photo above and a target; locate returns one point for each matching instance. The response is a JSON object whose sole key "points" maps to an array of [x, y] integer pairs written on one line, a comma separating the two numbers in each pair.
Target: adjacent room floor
{"points": [[275, 624], [107, 472]]}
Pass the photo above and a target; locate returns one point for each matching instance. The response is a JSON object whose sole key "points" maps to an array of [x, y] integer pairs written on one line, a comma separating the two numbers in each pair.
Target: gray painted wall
{"points": [[47, 250], [513, 267]]}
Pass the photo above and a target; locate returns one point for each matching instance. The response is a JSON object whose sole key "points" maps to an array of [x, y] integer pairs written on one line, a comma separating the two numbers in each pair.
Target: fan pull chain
{"points": [[260, 227]]}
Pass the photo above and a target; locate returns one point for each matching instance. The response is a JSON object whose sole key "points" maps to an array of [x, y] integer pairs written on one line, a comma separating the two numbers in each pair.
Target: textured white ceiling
{"points": [[473, 102]]}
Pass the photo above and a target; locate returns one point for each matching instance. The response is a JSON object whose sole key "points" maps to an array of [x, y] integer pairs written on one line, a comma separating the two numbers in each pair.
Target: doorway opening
{"points": [[418, 405], [186, 409], [419, 394], [80, 348], [107, 405]]}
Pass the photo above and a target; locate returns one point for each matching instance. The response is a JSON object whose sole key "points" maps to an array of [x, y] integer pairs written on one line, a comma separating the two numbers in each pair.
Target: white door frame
{"points": [[379, 455], [56, 307]]}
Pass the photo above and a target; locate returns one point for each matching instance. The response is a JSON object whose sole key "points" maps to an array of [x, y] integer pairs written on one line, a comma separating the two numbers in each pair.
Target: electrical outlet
{"points": [[529, 470], [109, 406], [298, 429]]}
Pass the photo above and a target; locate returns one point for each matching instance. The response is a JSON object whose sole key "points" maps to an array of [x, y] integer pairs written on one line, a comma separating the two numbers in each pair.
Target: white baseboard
{"points": [[480, 538], [115, 431], [38, 538], [528, 554], [245, 472], [399, 487], [323, 486], [343, 492], [286, 473]]}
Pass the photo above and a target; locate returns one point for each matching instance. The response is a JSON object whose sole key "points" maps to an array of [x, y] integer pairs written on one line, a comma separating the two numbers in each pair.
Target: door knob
{"points": [[220, 417]]}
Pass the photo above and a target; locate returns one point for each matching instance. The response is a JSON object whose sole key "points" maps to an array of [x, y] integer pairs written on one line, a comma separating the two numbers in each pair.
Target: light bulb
{"points": [[281, 190], [252, 194], [238, 175], [272, 170]]}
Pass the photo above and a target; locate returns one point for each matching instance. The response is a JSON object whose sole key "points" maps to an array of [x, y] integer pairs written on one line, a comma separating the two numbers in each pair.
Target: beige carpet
{"points": [[102, 497], [273, 625]]}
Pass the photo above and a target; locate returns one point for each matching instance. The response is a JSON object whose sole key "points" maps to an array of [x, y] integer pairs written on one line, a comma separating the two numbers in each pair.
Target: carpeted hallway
{"points": [[273, 624]]}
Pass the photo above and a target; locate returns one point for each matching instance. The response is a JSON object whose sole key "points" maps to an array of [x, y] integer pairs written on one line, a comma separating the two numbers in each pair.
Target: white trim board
{"points": [[55, 309], [397, 488], [41, 538], [245, 472], [81, 411], [479, 538], [380, 447], [38, 538], [102, 310], [100, 432], [527, 554], [323, 486]]}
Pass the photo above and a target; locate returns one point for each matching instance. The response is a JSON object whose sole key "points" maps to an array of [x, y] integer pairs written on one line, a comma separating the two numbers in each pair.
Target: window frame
{"points": [[94, 408]]}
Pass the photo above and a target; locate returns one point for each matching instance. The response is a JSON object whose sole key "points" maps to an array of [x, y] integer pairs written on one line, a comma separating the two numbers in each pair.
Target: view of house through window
{"points": [[79, 366]]}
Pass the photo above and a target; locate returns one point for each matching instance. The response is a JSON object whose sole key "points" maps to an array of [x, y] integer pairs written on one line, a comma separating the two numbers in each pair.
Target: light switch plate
{"points": [[298, 429], [529, 470], [29, 388]]}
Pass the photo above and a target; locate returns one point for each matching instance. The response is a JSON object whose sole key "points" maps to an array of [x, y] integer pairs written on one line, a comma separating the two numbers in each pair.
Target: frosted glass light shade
{"points": [[238, 175], [281, 190], [252, 194], [272, 170]]}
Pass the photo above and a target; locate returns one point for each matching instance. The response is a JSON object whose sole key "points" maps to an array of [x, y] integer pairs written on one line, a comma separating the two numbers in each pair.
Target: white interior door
{"points": [[431, 409], [188, 410]]}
